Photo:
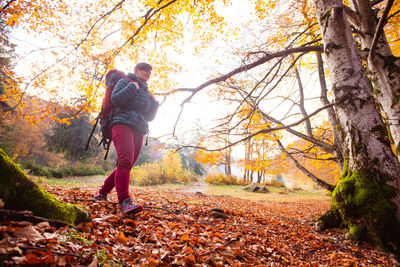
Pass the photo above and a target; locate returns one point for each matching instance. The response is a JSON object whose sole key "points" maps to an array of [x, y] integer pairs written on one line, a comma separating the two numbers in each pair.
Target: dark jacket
{"points": [[131, 106]]}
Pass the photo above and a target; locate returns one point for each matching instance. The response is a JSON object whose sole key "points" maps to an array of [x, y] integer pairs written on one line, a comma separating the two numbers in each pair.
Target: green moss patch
{"points": [[365, 207], [20, 193]]}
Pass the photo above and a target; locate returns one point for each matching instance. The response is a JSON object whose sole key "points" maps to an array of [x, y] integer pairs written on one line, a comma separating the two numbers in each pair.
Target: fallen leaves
{"points": [[180, 229]]}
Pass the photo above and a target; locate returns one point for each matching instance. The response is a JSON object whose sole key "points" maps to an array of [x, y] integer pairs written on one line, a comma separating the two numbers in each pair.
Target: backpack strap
{"points": [[106, 145], [107, 109], [91, 133]]}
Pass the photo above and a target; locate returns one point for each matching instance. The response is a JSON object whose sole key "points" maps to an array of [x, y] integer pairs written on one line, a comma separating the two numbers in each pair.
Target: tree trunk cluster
{"points": [[367, 197]]}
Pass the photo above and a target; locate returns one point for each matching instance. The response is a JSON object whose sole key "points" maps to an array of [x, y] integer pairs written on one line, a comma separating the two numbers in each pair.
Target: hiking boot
{"points": [[128, 207], [100, 197]]}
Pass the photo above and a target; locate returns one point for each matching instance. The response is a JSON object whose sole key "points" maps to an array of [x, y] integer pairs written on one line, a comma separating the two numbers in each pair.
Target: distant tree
{"points": [[70, 136], [189, 162], [144, 156], [6, 58]]}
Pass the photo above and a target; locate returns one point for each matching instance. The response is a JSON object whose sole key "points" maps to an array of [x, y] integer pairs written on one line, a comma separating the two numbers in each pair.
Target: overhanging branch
{"points": [[264, 131], [379, 29], [322, 183], [241, 69]]}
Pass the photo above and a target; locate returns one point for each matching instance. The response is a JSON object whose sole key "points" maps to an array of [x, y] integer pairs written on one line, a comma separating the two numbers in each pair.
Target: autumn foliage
{"points": [[181, 229]]}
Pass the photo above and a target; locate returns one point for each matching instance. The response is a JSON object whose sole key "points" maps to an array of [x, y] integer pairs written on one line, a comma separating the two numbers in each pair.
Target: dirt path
{"points": [[195, 187]]}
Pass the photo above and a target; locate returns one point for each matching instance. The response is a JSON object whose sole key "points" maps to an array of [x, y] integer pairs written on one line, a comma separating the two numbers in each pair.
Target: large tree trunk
{"points": [[368, 193], [383, 66], [20, 193]]}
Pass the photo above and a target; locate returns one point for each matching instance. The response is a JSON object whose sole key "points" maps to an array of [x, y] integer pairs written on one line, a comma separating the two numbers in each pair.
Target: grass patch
{"points": [[227, 190], [72, 181], [236, 191], [274, 195]]}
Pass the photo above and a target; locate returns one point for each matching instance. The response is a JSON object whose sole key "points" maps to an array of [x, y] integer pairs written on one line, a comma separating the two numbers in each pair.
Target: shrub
{"points": [[222, 179], [86, 171], [275, 183], [148, 174], [171, 165], [36, 169], [63, 172], [47, 172], [186, 176]]}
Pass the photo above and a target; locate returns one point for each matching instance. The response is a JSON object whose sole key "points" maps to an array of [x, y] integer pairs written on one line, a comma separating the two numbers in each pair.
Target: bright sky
{"points": [[196, 71]]}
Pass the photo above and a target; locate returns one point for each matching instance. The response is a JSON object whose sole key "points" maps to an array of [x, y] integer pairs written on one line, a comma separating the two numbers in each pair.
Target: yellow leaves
{"points": [[64, 120], [391, 29], [172, 164]]}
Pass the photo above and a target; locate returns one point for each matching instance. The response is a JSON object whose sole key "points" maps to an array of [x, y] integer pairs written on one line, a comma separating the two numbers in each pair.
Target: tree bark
{"points": [[383, 66], [20, 193], [368, 193]]}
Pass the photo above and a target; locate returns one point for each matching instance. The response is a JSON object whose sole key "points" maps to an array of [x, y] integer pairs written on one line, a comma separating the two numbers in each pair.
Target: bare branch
{"points": [[379, 28], [331, 113], [322, 183], [267, 130], [257, 63], [67, 54], [324, 146], [244, 68], [6, 6], [301, 104], [117, 6], [394, 14]]}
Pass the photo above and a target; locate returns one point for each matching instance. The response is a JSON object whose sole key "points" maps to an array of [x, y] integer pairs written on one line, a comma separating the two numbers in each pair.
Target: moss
{"points": [[379, 129], [365, 207], [327, 15], [345, 169], [20, 193], [391, 65], [358, 146], [331, 219], [358, 231]]}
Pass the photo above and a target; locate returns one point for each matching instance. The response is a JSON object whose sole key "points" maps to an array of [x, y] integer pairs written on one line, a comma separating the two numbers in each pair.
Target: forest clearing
{"points": [[170, 108], [179, 228]]}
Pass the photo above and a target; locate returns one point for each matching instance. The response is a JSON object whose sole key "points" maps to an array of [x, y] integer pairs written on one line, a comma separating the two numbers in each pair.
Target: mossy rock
{"points": [[20, 193]]}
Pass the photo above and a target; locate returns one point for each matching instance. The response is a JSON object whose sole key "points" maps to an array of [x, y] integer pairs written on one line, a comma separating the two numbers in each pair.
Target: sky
{"points": [[197, 70], [200, 112]]}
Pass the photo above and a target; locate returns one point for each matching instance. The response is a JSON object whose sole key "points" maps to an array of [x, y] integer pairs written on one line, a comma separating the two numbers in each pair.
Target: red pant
{"points": [[128, 144]]}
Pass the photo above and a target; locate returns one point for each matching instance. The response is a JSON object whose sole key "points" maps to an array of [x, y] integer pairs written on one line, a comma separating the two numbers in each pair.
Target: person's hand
{"points": [[136, 84]]}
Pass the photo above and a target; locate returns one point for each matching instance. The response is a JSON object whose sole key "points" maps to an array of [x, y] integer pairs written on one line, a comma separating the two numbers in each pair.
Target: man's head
{"points": [[143, 71]]}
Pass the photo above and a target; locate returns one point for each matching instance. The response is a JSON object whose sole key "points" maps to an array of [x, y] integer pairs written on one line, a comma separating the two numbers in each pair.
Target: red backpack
{"points": [[106, 114]]}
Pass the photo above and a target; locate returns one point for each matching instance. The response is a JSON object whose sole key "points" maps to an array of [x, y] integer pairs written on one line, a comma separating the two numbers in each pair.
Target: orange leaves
{"points": [[255, 234], [122, 238], [185, 237]]}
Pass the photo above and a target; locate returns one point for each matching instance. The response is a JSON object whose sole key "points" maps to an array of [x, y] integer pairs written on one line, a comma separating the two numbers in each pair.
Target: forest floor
{"points": [[179, 228]]}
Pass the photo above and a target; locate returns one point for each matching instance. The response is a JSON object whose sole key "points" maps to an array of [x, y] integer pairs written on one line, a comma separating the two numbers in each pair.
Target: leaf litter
{"points": [[184, 229]]}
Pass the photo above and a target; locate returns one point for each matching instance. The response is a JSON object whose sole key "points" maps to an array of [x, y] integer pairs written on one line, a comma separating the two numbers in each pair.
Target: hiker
{"points": [[134, 106]]}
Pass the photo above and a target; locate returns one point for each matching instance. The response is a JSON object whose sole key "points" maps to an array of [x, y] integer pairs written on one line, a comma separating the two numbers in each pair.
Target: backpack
{"points": [[106, 114]]}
